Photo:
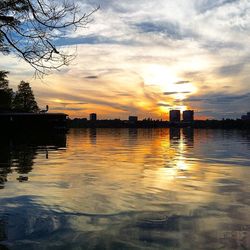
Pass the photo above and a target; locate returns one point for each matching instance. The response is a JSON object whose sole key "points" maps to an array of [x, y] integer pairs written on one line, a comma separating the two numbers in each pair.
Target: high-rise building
{"points": [[188, 116], [93, 117], [175, 115]]}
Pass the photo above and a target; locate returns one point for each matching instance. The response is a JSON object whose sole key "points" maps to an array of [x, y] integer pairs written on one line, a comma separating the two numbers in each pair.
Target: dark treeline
{"points": [[22, 100], [20, 113], [223, 124], [211, 124]]}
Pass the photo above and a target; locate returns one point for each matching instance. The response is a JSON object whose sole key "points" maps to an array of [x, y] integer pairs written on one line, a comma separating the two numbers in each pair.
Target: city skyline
{"points": [[177, 116], [147, 58]]}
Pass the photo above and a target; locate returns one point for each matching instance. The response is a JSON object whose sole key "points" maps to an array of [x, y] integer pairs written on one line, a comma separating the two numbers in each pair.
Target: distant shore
{"points": [[43, 122], [206, 124]]}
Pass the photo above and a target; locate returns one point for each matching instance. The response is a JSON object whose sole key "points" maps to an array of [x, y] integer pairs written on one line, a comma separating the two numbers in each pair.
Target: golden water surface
{"points": [[126, 189]]}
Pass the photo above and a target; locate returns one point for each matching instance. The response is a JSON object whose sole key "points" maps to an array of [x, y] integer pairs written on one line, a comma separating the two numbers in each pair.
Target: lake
{"points": [[126, 189]]}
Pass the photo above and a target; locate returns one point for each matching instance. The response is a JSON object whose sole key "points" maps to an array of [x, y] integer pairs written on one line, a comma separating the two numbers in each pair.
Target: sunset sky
{"points": [[144, 57]]}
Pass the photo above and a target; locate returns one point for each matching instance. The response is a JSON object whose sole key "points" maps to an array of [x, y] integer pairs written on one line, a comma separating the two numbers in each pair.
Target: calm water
{"points": [[126, 189]]}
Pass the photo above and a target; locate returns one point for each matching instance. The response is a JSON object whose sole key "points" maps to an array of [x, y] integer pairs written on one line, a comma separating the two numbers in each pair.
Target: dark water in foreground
{"points": [[126, 189]]}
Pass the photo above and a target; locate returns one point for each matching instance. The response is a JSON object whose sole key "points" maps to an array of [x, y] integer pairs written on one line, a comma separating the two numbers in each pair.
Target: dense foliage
{"points": [[23, 100], [5, 92]]}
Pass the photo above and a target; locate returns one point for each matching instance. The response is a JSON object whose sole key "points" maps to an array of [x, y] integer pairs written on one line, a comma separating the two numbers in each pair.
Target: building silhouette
{"points": [[39, 122], [188, 116], [92, 117], [175, 115], [133, 119]]}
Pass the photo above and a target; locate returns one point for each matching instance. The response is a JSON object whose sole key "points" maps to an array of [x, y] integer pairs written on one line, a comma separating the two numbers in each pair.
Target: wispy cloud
{"points": [[182, 82], [176, 92], [91, 77], [164, 104]]}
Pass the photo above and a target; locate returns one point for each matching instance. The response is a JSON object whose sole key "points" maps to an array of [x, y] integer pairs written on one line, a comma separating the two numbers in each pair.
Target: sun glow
{"points": [[57, 101], [168, 81], [180, 96], [159, 75], [181, 107]]}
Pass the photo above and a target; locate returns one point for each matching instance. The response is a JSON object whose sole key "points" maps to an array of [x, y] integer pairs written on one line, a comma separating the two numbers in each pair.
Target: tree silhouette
{"points": [[4, 83], [24, 100], [5, 92], [29, 29]]}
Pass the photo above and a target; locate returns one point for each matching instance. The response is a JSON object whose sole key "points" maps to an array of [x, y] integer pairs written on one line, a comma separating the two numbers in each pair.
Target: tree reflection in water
{"points": [[17, 153]]}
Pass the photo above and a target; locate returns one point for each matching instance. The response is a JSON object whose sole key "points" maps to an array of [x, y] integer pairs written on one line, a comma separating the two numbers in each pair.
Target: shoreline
{"points": [[210, 124]]}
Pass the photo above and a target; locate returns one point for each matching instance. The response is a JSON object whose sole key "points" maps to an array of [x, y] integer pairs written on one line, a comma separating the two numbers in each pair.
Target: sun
{"points": [[173, 89], [159, 75], [167, 79]]}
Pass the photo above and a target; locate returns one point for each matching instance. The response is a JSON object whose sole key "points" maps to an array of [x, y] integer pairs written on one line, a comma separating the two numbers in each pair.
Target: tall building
{"points": [[175, 115], [93, 117], [188, 116]]}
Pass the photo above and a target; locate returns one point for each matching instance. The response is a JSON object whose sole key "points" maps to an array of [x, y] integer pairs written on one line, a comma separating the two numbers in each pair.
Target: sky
{"points": [[146, 57]]}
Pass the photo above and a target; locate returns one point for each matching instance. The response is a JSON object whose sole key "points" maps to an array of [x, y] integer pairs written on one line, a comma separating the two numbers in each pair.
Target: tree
{"points": [[29, 29], [4, 83], [5, 92], [24, 100]]}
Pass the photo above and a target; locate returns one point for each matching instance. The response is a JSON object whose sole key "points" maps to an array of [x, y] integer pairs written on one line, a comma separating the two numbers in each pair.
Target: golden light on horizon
{"points": [[57, 100], [172, 86], [161, 85]]}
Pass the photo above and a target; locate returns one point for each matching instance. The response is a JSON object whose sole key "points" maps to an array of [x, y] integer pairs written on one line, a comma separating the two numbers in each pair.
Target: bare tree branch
{"points": [[29, 29]]}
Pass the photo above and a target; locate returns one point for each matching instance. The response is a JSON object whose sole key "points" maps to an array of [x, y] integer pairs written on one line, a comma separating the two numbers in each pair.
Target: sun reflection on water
{"points": [[102, 183]]}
